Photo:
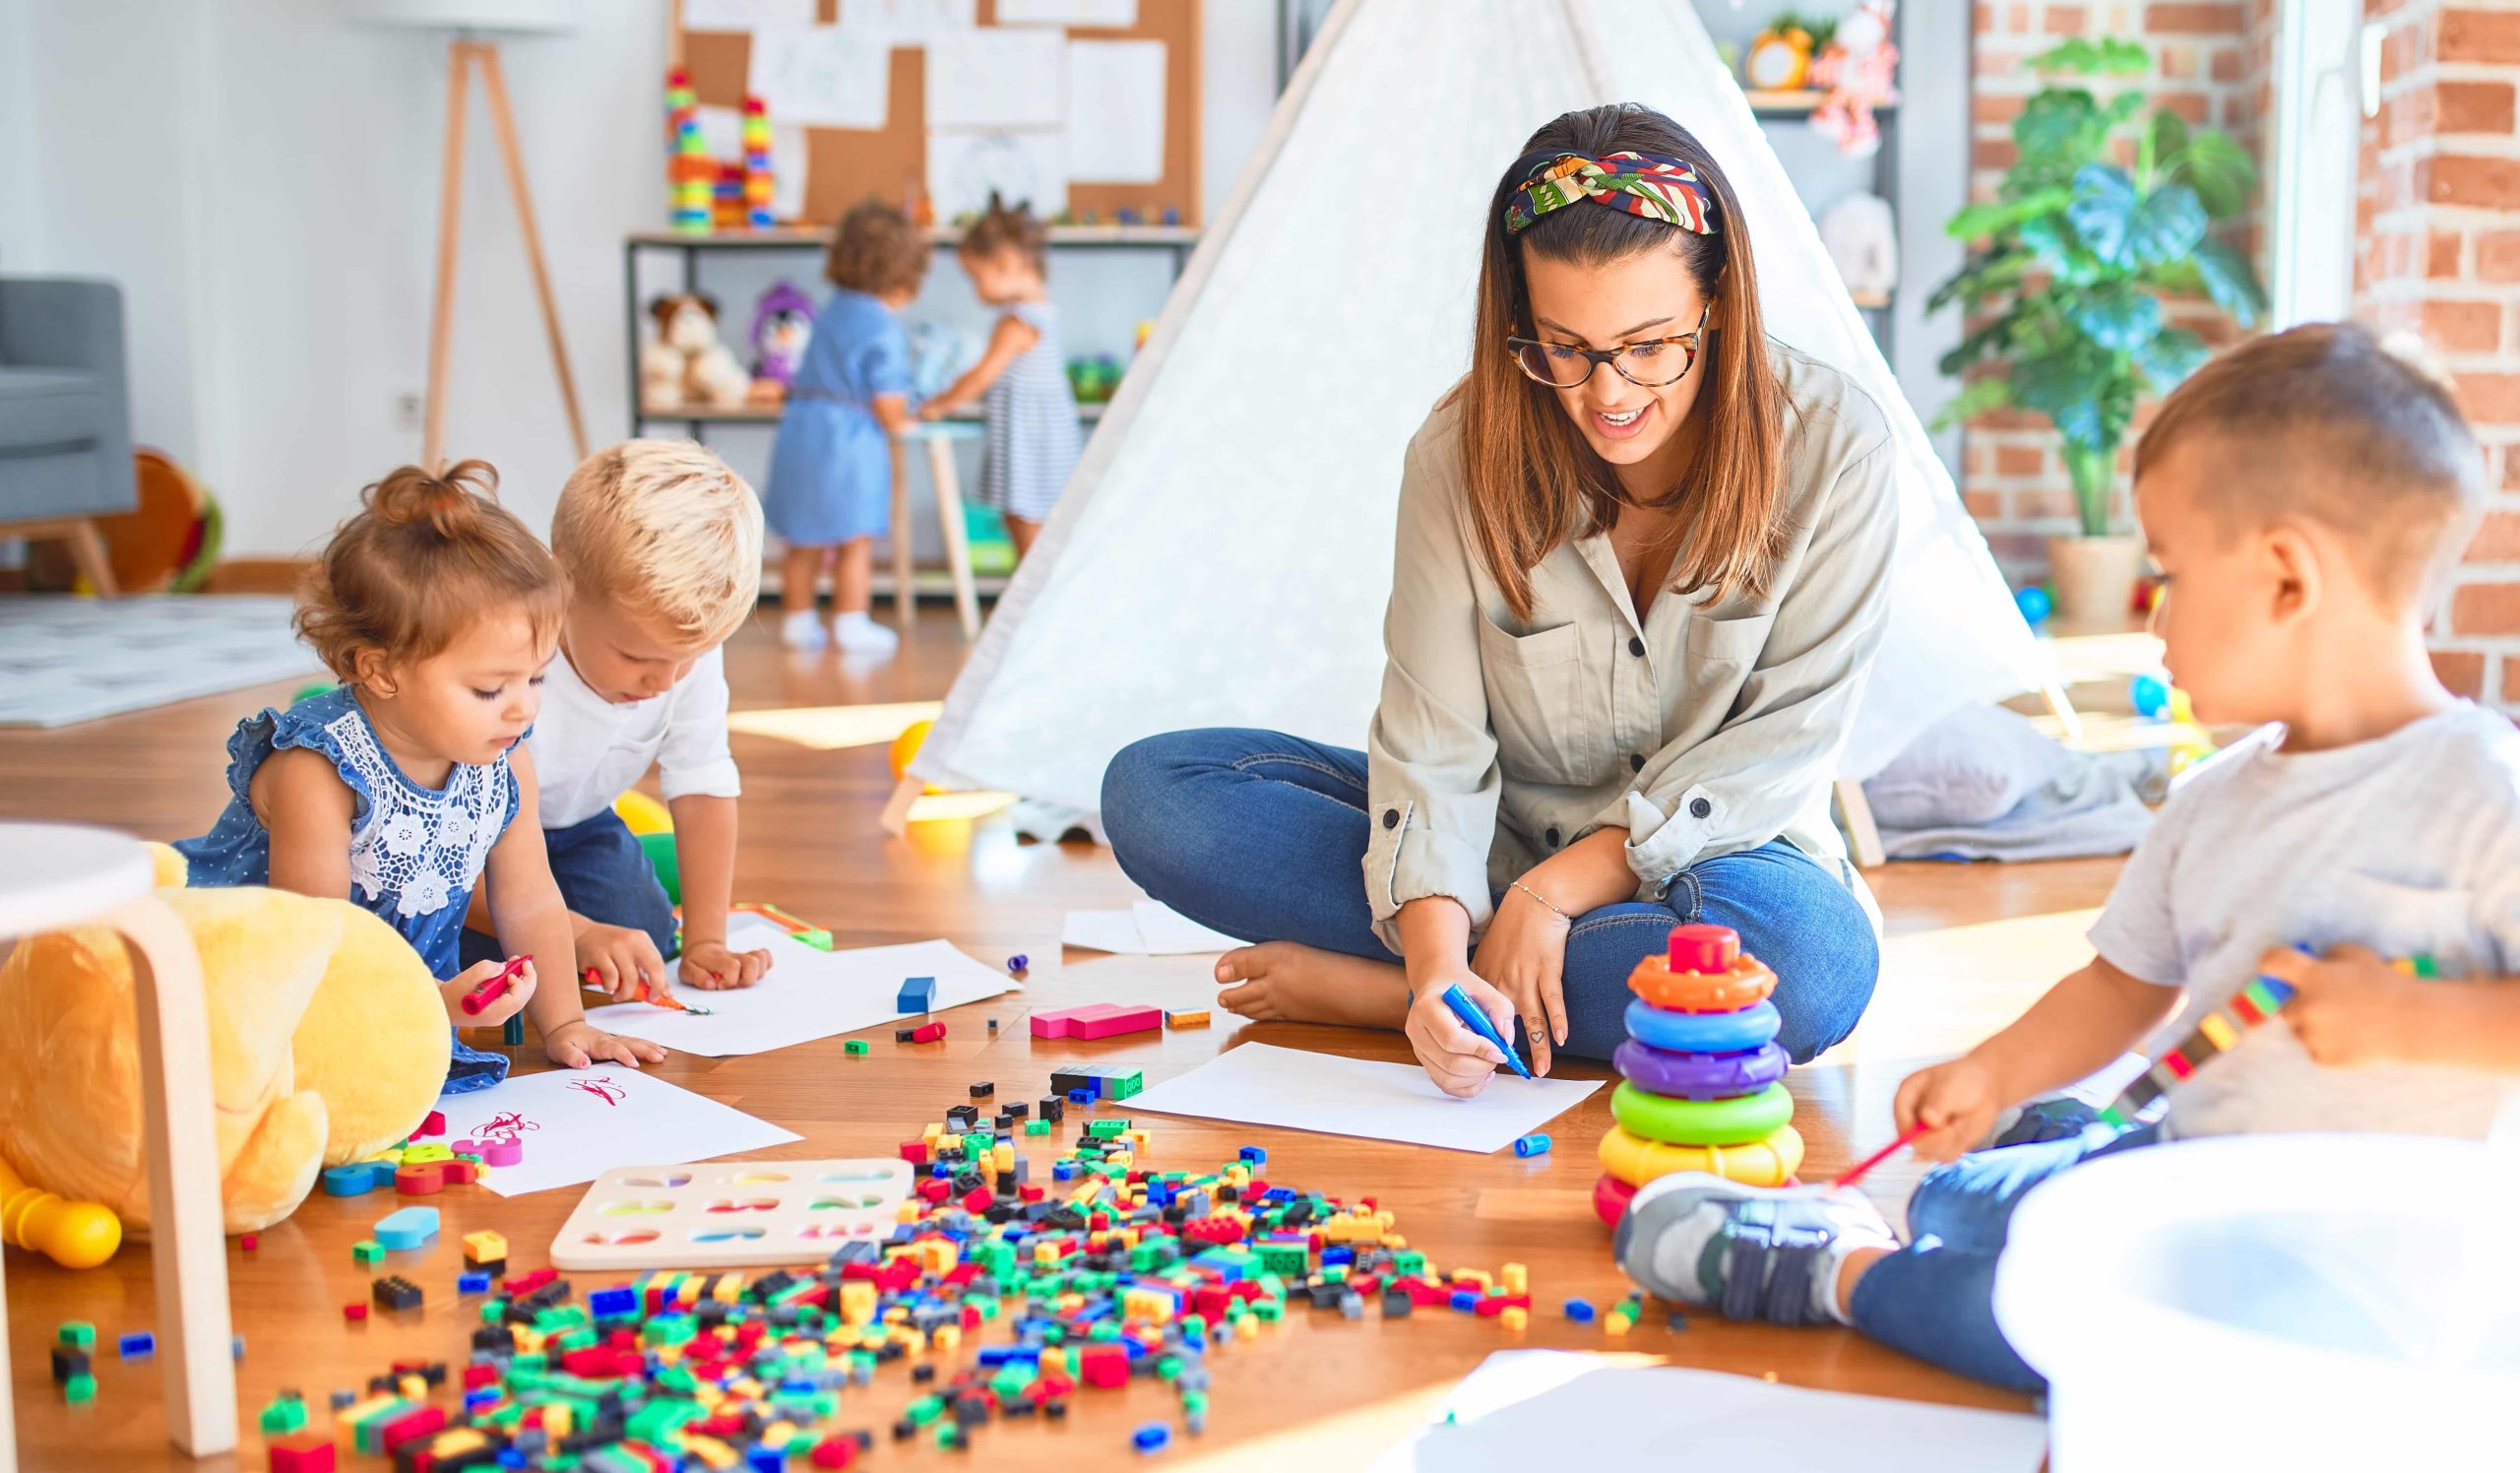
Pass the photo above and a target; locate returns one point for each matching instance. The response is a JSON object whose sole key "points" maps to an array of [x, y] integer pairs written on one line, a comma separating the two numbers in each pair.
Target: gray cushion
{"points": [[48, 408]]}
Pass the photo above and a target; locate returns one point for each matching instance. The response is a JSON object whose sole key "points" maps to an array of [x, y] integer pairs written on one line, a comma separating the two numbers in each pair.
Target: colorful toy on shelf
{"points": [[74, 1235], [1702, 1086], [1779, 56], [684, 366], [691, 174], [760, 183], [781, 323], [1857, 70], [1094, 380]]}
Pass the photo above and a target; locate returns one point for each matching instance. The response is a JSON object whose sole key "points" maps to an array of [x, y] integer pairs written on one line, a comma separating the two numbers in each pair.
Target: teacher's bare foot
{"points": [[1287, 981]]}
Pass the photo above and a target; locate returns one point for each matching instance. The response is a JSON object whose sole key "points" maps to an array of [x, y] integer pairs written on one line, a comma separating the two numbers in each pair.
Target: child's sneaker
{"points": [[1754, 1252], [859, 634], [801, 630]]}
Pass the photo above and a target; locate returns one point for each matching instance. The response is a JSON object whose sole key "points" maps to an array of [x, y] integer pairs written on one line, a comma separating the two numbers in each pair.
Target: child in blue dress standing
{"points": [[831, 470], [1021, 378], [403, 789]]}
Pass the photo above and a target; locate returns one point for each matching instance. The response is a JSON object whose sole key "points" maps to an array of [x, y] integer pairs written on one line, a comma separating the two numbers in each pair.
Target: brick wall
{"points": [[2439, 255], [2212, 63]]}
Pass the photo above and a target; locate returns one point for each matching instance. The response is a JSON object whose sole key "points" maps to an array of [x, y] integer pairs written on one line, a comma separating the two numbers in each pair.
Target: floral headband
{"points": [[1649, 185]]}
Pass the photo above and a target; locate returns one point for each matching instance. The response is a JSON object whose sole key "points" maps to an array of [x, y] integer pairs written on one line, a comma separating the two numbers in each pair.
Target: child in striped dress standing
{"points": [[1021, 378]]}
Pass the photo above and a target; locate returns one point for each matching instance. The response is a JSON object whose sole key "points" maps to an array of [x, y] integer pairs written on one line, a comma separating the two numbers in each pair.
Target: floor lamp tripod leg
{"points": [[495, 87], [459, 56]]}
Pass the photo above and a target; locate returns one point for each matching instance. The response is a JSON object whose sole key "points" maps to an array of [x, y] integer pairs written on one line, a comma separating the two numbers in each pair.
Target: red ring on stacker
{"points": [[1611, 1197]]}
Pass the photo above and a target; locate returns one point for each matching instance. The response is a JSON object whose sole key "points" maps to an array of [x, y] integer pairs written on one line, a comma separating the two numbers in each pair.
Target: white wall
{"points": [[262, 177]]}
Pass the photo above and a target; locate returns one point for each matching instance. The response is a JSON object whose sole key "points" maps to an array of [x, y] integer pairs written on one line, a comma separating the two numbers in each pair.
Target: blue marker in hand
{"points": [[1474, 1018]]}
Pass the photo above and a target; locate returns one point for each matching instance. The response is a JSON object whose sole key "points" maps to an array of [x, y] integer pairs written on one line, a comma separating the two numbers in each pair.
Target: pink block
{"points": [[1097, 1020], [507, 1151], [435, 1125]]}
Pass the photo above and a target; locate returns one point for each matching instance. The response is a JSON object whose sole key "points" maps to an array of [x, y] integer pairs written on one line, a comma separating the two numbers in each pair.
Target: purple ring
{"points": [[1699, 1076]]}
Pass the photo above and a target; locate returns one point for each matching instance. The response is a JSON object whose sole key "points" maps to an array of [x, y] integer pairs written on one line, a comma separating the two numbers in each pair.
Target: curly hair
{"points": [[876, 251], [426, 553], [1000, 229]]}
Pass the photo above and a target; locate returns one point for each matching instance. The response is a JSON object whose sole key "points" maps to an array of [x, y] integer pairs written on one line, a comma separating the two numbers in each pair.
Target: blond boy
{"points": [[662, 545]]}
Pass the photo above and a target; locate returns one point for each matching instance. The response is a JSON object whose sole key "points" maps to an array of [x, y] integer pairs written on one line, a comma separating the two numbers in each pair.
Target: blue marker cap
{"points": [[1474, 1018]]}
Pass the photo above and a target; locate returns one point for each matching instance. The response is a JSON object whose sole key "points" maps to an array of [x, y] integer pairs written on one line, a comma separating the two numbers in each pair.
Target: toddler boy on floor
{"points": [[2306, 496], [661, 544]]}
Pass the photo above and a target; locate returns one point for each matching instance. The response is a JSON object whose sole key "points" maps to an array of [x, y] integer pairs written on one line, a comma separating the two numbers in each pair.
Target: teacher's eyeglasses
{"points": [[1654, 364]]}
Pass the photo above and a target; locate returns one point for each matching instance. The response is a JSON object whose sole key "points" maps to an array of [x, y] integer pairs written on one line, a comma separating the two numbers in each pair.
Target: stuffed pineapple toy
{"points": [[328, 1042]]}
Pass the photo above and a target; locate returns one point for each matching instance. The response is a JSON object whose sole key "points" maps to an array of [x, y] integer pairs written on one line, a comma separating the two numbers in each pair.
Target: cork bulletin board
{"points": [[846, 166]]}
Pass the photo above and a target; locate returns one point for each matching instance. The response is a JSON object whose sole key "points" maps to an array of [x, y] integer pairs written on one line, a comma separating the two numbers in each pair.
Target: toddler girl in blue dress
{"points": [[409, 783]]}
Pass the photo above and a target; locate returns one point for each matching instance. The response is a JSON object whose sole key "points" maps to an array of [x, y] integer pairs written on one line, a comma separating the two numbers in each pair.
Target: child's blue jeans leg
{"points": [[1935, 1298], [603, 875]]}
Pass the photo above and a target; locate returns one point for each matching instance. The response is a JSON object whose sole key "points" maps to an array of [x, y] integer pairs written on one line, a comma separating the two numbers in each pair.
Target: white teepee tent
{"points": [[1222, 553]]}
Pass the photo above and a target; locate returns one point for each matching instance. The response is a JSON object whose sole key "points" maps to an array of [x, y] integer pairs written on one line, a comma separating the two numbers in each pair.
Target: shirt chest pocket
{"points": [[1548, 710]]}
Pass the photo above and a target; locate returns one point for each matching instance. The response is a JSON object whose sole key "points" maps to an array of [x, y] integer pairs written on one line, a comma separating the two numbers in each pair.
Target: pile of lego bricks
{"points": [[1128, 1274]]}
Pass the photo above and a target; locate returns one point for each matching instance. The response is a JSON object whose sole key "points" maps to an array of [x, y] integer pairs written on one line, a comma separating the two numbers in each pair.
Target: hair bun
{"points": [[446, 501]]}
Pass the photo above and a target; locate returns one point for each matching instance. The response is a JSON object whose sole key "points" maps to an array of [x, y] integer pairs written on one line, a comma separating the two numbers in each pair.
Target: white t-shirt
{"points": [[589, 751], [2405, 844]]}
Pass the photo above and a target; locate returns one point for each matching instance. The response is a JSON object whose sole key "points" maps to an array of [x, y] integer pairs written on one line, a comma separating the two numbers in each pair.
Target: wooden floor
{"points": [[1969, 946]]}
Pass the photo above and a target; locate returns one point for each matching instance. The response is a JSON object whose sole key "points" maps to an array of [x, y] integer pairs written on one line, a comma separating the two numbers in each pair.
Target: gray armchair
{"points": [[65, 416]]}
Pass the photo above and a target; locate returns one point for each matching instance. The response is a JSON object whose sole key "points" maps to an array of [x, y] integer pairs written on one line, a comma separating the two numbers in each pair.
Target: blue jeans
{"points": [[605, 876], [1262, 836], [1935, 1298]]}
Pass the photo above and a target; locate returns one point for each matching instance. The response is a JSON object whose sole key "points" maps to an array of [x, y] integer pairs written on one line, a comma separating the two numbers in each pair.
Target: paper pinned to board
{"points": [[822, 76], [1097, 15], [1147, 928], [745, 15], [1525, 1409], [808, 993], [1020, 165], [995, 79], [911, 23], [1262, 1084], [1114, 131], [576, 1125]]}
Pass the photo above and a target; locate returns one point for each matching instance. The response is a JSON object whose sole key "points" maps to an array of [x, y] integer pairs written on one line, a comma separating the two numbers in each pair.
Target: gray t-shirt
{"points": [[2405, 844]]}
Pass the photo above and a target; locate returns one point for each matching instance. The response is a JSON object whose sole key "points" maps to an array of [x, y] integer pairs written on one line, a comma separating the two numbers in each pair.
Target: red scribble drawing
{"points": [[603, 1088], [507, 1125]]}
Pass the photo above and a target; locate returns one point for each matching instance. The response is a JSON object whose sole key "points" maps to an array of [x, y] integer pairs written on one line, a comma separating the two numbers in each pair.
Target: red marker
{"points": [[496, 987], [1880, 1156]]}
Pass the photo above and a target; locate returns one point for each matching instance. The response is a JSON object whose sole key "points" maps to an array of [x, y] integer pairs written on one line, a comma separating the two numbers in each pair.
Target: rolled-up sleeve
{"points": [[1430, 757], [1739, 787], [695, 758]]}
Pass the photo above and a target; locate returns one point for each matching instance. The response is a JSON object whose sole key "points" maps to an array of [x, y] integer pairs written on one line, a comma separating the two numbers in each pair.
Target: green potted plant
{"points": [[2103, 212]]}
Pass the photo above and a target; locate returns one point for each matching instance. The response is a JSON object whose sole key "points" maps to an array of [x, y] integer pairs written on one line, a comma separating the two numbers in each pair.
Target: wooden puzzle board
{"points": [[730, 1214], [846, 165]]}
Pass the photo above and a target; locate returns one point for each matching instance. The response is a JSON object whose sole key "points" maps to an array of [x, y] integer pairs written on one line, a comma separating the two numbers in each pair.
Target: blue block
{"points": [[1255, 1154], [410, 1228], [1465, 1300], [138, 1343], [1062, 1170], [1579, 1310], [917, 994], [1079, 1097], [480, 1397], [473, 1283], [1339, 1254], [358, 1177], [1151, 1438], [609, 1304]]}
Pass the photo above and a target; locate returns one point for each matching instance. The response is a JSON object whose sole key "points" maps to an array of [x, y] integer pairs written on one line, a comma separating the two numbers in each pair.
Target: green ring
{"points": [[1701, 1123]]}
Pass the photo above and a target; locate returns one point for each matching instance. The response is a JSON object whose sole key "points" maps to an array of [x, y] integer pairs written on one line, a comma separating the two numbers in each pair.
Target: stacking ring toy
{"points": [[1696, 1122], [1699, 1076], [1746, 980], [1762, 1163], [1611, 1197], [1702, 1032]]}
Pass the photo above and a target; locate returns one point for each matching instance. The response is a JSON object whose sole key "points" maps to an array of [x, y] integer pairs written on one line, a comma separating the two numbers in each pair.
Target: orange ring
{"points": [[1747, 981]]}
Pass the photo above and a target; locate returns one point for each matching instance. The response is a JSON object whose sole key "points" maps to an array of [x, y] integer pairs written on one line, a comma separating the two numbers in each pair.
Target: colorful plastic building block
{"points": [[393, 1292], [1579, 1310], [354, 1312], [68, 1360], [1151, 1438], [367, 1251], [1532, 1145], [76, 1333], [137, 1343], [982, 1089], [80, 1389], [358, 1177], [473, 1283], [410, 1228], [855, 1045], [1193, 1018], [1097, 1020], [917, 994], [480, 1250], [301, 1453]]}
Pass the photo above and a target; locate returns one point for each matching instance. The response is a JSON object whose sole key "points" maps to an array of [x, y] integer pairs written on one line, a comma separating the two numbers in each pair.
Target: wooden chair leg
{"points": [[1854, 812], [896, 815], [904, 597], [958, 542], [87, 550], [186, 1243]]}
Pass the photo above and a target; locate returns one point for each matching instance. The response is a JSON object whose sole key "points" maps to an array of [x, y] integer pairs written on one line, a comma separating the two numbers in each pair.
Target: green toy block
{"points": [[1121, 1086], [78, 1333], [284, 1416], [367, 1251], [80, 1389], [427, 1151], [853, 1046], [1105, 1129], [1037, 1128], [1408, 1263]]}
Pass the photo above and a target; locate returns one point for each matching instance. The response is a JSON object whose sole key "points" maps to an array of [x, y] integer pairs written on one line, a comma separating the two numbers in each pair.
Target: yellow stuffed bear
{"points": [[328, 1042]]}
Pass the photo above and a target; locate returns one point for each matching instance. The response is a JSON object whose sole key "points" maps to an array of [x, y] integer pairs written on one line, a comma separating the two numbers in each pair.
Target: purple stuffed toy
{"points": [[780, 323]]}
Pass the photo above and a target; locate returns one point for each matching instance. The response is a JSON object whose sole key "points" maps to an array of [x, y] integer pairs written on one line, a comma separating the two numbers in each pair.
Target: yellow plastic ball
{"points": [[643, 814], [905, 746], [2182, 709], [74, 1235]]}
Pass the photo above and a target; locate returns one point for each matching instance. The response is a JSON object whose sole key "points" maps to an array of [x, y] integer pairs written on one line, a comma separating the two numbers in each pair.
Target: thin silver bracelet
{"points": [[1542, 899]]}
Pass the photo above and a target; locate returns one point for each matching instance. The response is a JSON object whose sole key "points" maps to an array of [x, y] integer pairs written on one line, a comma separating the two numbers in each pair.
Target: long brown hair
{"points": [[1533, 477]]}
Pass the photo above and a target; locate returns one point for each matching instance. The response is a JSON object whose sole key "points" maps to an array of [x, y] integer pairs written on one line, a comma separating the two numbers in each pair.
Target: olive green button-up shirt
{"points": [[1702, 729]]}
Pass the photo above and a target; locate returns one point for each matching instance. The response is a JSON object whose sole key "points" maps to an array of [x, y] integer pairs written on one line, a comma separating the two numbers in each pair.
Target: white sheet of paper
{"points": [[1114, 112], [1263, 1085], [721, 131], [745, 15], [822, 76], [1525, 1409], [576, 1125], [995, 79], [1115, 932], [1147, 928], [909, 23], [1021, 164], [789, 159], [1176, 984], [808, 995], [1110, 15]]}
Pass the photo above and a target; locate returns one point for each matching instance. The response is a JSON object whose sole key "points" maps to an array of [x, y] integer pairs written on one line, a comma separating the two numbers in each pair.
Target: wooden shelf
{"points": [[1872, 301], [771, 414], [1169, 237], [1798, 102]]}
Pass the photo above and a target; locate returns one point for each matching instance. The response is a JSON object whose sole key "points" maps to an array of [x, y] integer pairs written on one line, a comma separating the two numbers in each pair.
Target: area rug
{"points": [[65, 660]]}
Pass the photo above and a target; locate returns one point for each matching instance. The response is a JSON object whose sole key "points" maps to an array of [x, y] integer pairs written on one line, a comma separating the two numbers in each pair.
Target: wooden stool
{"points": [[53, 876], [939, 436]]}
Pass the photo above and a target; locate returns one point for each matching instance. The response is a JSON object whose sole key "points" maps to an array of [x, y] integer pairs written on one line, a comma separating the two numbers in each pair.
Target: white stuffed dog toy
{"points": [[685, 365]]}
